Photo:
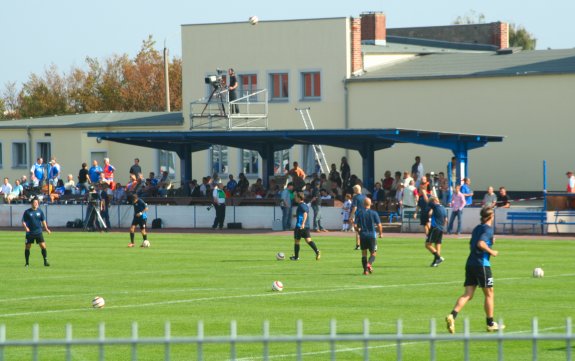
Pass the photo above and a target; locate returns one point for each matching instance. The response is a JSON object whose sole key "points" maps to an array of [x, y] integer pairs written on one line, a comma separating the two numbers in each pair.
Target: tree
{"points": [[9, 102], [519, 37], [472, 17], [42, 97]]}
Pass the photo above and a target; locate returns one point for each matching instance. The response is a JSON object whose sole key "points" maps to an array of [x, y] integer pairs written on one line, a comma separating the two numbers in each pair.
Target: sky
{"points": [[38, 33]]}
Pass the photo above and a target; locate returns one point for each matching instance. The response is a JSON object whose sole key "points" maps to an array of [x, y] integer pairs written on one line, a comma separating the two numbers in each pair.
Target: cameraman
{"points": [[93, 210], [232, 91]]}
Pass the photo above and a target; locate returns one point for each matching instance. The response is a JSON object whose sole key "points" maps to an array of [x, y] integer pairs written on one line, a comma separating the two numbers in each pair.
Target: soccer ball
{"points": [[280, 256], [253, 20], [538, 272], [277, 286], [146, 244], [98, 302]]}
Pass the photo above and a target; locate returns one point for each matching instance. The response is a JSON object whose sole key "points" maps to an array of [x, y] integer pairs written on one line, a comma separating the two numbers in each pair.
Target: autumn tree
{"points": [[43, 96], [519, 37]]}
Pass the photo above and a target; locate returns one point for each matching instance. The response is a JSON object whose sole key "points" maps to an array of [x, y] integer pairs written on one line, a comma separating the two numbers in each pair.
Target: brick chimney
{"points": [[373, 28], [500, 34], [356, 53]]}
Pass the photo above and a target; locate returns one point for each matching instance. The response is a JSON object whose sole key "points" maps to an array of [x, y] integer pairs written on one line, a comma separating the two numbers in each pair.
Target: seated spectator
{"points": [[387, 182], [119, 194], [195, 189], [131, 186], [205, 188], [152, 179], [502, 199], [324, 194], [140, 185], [490, 198], [58, 191], [335, 191], [16, 193], [232, 184], [243, 185], [70, 185], [378, 194], [5, 189], [273, 190], [257, 189]]}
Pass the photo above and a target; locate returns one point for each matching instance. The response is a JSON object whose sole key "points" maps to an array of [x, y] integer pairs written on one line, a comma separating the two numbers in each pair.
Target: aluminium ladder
{"points": [[317, 149]]}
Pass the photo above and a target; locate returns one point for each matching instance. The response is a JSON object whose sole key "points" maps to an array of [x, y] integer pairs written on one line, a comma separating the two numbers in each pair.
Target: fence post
{"points": [[233, 339], [535, 327], [399, 337], [2, 341], [200, 339], [568, 333], [168, 337], [68, 342], [332, 336], [266, 334], [500, 341], [35, 339], [134, 341], [366, 339], [432, 334], [101, 341], [299, 337], [467, 335]]}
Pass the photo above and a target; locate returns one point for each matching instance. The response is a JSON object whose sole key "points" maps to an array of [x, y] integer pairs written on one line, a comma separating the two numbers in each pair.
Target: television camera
{"points": [[217, 80]]}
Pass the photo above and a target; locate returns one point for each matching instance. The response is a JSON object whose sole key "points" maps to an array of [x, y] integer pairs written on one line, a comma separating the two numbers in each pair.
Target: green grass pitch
{"points": [[218, 277]]}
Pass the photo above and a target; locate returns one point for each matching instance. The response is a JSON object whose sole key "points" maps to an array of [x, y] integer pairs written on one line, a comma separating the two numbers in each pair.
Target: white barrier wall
{"points": [[251, 217]]}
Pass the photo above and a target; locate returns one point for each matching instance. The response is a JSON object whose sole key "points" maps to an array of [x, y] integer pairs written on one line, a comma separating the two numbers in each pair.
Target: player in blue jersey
{"points": [[140, 218], [301, 231], [366, 221], [478, 272], [356, 203], [437, 221], [33, 220]]}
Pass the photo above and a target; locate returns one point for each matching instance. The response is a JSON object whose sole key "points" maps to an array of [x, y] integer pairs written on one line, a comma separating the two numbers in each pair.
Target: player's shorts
{"points": [[369, 243], [139, 221], [423, 218], [434, 236], [31, 238], [299, 233], [478, 276]]}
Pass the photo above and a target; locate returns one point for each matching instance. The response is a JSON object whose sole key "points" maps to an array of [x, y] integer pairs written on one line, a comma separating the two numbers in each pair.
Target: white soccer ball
{"points": [[146, 244], [98, 302], [280, 256], [277, 286], [253, 20], [538, 272]]}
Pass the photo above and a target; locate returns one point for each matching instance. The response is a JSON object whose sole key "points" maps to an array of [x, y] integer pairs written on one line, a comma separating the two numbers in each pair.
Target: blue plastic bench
{"points": [[533, 219]]}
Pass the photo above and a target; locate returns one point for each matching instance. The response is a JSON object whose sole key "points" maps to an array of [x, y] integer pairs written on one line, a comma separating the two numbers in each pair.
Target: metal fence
{"points": [[399, 339]]}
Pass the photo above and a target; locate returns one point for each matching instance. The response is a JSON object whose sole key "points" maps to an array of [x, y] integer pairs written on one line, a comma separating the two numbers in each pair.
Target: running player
{"points": [[366, 221], [301, 231], [140, 218], [437, 216], [33, 220], [478, 272]]}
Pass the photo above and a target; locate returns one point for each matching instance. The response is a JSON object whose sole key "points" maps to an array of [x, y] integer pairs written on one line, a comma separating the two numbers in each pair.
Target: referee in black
{"points": [[33, 220], [140, 218]]}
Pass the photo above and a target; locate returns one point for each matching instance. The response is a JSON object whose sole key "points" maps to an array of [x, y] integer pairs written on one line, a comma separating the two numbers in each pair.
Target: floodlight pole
{"points": [[166, 77]]}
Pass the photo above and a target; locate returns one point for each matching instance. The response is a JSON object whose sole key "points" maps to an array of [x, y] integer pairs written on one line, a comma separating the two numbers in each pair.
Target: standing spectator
{"points": [[407, 178], [478, 272], [443, 188], [119, 194], [135, 169], [286, 206], [33, 220], [367, 221], [195, 189], [490, 198], [219, 198], [457, 205], [24, 182], [466, 191], [417, 170], [54, 170], [570, 182], [232, 184], [378, 194], [316, 206], [105, 206], [108, 172], [38, 171], [334, 175], [409, 197], [301, 229], [232, 89], [83, 179], [453, 172], [502, 199], [94, 172], [345, 171], [396, 183], [298, 177], [6, 189]]}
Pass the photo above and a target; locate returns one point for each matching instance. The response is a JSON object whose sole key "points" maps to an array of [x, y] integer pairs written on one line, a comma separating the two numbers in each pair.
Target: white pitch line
{"points": [[267, 294]]}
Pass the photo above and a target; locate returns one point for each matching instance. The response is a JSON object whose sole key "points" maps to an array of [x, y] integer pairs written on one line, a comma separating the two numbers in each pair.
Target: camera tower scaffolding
{"points": [[317, 149]]}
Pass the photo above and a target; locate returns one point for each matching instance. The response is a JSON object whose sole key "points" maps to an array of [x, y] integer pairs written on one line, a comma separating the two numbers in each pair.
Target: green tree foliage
{"points": [[118, 84], [472, 17], [519, 37]]}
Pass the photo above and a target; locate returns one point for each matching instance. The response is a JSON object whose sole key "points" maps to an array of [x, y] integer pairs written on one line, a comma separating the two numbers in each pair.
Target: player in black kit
{"points": [[140, 218], [33, 220]]}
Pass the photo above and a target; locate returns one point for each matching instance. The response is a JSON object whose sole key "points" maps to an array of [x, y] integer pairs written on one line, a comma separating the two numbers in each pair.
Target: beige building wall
{"points": [[293, 46], [535, 113]]}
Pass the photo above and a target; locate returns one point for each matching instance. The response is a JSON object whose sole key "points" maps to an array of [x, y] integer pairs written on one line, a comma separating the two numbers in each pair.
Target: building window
{"points": [[44, 151], [311, 82], [279, 86], [281, 160], [19, 156], [248, 85], [250, 162], [219, 159], [167, 162]]}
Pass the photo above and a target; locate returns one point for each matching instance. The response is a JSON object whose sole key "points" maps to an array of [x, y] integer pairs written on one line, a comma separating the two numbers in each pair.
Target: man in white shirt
{"points": [[6, 189]]}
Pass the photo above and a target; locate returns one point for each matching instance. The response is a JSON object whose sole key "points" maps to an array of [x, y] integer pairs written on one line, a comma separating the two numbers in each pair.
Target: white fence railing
{"points": [[534, 336]]}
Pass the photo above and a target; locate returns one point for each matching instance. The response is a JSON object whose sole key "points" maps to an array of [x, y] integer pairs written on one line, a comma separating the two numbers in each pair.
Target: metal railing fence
{"points": [[399, 338]]}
